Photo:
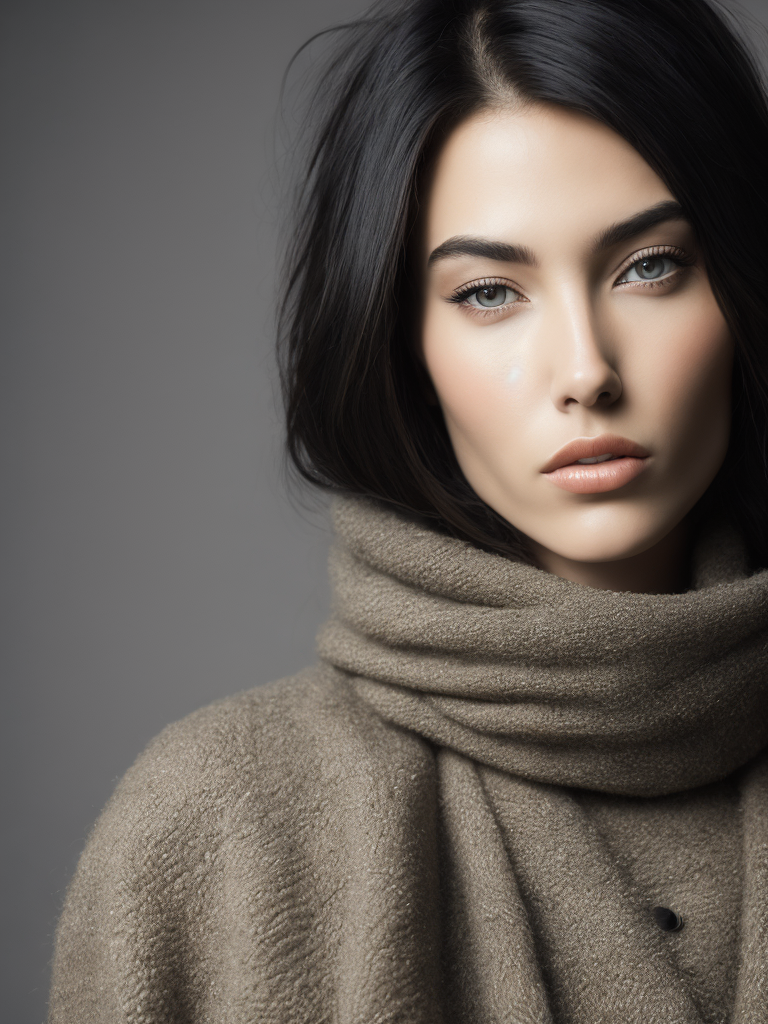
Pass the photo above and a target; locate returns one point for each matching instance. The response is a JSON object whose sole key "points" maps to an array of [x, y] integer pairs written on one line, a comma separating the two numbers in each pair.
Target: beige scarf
{"points": [[530, 685], [465, 816]]}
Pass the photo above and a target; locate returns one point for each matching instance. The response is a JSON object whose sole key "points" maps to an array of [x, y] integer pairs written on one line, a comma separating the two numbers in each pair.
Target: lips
{"points": [[627, 461], [592, 447]]}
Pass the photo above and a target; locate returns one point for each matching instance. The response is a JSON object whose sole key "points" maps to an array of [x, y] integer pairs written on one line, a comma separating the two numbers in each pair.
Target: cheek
{"points": [[481, 383], [688, 379]]}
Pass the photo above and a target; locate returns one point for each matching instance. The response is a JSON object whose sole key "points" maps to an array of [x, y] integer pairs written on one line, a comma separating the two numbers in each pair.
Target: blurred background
{"points": [[152, 558]]}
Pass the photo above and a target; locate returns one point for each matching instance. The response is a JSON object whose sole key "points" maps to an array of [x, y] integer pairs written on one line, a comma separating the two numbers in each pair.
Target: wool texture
{"points": [[464, 815]]}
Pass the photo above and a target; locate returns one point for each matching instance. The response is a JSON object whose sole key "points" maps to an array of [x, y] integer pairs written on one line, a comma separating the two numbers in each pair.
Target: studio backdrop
{"points": [[152, 558]]}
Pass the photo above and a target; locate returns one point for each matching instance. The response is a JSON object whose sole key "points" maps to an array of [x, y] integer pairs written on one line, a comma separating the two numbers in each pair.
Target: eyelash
{"points": [[461, 295], [678, 256]]}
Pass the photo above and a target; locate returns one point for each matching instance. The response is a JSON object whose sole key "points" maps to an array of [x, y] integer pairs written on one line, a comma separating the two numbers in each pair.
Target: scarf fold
{"points": [[533, 689], [634, 694]]}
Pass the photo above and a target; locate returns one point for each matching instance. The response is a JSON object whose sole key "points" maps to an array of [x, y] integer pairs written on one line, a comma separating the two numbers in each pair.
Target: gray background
{"points": [[152, 561]]}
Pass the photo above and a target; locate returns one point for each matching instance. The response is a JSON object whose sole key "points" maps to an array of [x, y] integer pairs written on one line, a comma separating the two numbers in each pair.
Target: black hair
{"points": [[672, 78]]}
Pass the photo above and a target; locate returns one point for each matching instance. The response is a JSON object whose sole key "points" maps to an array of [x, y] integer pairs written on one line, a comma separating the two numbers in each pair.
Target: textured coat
{"points": [[466, 813]]}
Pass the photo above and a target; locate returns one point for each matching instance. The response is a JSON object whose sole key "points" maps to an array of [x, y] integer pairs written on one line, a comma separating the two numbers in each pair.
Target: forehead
{"points": [[535, 175]]}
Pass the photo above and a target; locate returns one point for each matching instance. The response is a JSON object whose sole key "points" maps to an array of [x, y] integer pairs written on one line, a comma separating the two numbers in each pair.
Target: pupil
{"points": [[652, 268], [493, 295]]}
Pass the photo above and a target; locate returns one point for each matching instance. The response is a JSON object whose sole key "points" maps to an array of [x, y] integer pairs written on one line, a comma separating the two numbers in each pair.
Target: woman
{"points": [[523, 337]]}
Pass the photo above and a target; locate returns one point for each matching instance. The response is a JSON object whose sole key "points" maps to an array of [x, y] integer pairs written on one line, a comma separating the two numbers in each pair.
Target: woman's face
{"points": [[565, 301]]}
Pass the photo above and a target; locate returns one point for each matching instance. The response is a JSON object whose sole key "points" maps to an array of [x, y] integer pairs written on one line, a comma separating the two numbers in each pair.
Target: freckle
{"points": [[514, 374]]}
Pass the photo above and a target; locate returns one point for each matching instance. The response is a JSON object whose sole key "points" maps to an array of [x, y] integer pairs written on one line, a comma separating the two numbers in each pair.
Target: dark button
{"points": [[667, 919]]}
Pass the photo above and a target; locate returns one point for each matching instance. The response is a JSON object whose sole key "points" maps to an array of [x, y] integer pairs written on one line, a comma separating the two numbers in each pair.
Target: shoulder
{"points": [[236, 823], [265, 745]]}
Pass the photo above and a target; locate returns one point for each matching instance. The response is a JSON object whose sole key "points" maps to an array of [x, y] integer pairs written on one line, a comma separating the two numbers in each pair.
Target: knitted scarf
{"points": [[465, 815], [530, 685]]}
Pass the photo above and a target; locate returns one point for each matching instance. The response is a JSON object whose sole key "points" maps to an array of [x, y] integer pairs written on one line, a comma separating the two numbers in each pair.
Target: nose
{"points": [[583, 371]]}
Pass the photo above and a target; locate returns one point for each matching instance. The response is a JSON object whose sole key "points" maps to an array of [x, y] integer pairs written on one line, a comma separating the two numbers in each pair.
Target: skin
{"points": [[575, 350]]}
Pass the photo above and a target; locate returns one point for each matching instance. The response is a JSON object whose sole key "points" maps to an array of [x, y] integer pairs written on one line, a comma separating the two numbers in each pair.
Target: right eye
{"points": [[490, 296]]}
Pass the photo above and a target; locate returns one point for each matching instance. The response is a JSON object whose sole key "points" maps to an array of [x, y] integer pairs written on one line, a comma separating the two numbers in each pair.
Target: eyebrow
{"points": [[627, 229], [505, 252], [463, 245]]}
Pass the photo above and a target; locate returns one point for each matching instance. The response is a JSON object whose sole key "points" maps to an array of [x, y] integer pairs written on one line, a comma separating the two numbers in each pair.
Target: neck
{"points": [[661, 569]]}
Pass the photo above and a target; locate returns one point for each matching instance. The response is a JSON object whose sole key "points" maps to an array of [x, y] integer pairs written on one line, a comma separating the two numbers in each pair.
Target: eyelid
{"points": [[464, 290], [673, 251]]}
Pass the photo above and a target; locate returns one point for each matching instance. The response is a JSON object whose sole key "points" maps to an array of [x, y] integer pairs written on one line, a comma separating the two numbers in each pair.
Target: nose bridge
{"points": [[582, 368]]}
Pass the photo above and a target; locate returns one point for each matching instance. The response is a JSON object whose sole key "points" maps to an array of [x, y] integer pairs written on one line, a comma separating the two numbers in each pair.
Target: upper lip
{"points": [[590, 447]]}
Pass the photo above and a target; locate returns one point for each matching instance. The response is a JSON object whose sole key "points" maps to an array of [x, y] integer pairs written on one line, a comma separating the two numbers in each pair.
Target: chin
{"points": [[607, 537]]}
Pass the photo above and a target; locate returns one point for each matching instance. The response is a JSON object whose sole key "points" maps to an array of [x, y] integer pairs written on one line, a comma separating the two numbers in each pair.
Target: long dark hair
{"points": [[670, 77]]}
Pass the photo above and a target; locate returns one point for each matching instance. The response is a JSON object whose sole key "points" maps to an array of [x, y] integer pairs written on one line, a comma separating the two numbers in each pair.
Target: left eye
{"points": [[491, 295], [652, 268]]}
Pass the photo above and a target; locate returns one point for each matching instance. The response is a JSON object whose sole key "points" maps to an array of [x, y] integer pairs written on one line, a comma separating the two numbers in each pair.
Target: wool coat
{"points": [[500, 798]]}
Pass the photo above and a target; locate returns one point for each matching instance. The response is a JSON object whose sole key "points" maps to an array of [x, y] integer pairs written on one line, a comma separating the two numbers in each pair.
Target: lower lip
{"points": [[597, 477]]}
